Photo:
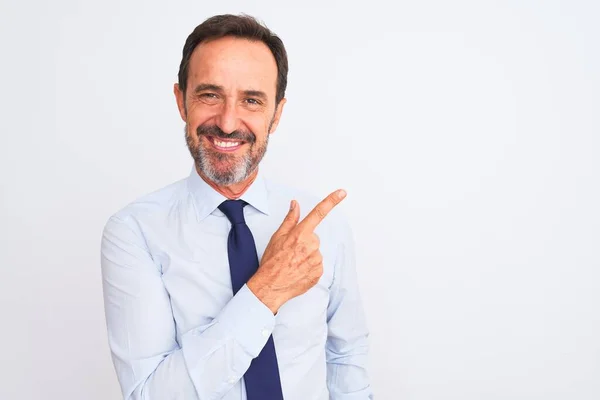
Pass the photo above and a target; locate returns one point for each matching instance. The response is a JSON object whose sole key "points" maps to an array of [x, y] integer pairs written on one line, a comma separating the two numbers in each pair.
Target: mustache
{"points": [[214, 130]]}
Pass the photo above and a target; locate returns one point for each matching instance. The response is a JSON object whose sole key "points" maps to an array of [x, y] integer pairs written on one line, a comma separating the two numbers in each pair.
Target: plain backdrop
{"points": [[465, 132]]}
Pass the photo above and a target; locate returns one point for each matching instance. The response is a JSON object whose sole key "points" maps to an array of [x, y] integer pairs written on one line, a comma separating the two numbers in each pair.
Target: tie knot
{"points": [[234, 210]]}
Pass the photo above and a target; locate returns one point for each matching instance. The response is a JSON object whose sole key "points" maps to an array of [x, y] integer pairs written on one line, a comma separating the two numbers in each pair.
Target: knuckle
{"points": [[294, 260], [292, 239], [316, 239], [302, 248], [320, 212], [319, 259], [289, 241]]}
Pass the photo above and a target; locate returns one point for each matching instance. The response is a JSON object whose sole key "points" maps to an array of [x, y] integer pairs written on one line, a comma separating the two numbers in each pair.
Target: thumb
{"points": [[291, 219]]}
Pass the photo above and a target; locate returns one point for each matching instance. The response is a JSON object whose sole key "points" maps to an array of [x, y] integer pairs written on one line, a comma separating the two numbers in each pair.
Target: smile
{"points": [[225, 145]]}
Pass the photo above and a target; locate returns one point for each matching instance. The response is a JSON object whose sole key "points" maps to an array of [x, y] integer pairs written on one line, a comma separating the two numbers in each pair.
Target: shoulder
{"points": [[151, 206]]}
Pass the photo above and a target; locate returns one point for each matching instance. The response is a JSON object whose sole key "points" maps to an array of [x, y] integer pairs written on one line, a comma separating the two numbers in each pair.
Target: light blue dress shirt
{"points": [[175, 329]]}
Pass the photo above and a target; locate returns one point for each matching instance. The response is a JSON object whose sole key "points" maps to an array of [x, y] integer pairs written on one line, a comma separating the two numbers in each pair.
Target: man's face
{"points": [[229, 108]]}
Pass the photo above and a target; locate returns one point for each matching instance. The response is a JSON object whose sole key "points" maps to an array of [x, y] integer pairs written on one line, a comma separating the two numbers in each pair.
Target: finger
{"points": [[291, 219], [315, 259], [315, 273], [310, 222]]}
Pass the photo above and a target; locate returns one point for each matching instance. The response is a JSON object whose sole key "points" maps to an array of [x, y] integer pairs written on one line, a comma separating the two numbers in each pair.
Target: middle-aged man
{"points": [[191, 312]]}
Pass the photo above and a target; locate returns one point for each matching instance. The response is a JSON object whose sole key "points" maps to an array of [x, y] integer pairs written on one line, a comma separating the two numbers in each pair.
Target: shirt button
{"points": [[231, 379], [265, 333]]}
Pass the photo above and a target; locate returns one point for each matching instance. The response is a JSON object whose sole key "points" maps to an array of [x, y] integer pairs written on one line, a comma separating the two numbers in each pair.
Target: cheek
{"points": [[197, 115], [192, 135], [258, 125]]}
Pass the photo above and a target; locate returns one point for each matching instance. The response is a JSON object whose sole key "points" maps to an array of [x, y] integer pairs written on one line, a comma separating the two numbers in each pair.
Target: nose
{"points": [[227, 118]]}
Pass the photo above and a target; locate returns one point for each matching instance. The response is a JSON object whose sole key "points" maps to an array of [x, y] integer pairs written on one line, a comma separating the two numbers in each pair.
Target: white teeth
{"points": [[226, 144]]}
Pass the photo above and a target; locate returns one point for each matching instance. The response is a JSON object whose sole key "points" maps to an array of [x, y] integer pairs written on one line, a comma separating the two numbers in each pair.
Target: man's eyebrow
{"points": [[255, 93], [217, 88], [208, 86]]}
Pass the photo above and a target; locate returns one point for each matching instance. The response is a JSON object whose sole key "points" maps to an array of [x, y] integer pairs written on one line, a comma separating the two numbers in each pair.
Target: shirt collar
{"points": [[208, 199]]}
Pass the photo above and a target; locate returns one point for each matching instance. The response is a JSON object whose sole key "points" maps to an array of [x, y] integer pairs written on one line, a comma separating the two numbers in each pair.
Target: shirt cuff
{"points": [[248, 320]]}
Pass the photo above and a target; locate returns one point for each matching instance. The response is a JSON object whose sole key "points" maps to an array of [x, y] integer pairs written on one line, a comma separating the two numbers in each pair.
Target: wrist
{"points": [[265, 294]]}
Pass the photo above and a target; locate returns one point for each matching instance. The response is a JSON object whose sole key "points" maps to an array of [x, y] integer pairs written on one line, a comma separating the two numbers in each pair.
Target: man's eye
{"points": [[253, 101], [209, 95]]}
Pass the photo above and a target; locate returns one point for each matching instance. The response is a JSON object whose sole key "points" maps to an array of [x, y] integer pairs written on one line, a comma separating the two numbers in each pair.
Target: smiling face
{"points": [[229, 107]]}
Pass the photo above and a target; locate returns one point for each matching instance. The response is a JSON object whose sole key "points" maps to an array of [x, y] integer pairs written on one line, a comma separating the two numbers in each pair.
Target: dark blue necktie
{"points": [[262, 378]]}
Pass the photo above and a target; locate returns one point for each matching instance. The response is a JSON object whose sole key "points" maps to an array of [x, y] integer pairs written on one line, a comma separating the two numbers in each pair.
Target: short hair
{"points": [[240, 26]]}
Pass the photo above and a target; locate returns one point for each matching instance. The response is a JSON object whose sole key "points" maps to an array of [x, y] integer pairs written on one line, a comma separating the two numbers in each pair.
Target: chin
{"points": [[224, 173]]}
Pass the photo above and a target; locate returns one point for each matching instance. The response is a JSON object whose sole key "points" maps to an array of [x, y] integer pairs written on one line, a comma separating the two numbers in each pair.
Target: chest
{"points": [[193, 258]]}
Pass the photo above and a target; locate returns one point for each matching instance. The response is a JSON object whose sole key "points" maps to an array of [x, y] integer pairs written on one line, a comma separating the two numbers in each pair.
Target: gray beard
{"points": [[240, 168]]}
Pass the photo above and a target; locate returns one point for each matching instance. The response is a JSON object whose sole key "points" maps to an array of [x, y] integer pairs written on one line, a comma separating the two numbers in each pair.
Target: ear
{"points": [[277, 116], [180, 98]]}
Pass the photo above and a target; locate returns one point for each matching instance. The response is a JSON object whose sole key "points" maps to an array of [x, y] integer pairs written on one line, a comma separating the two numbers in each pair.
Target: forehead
{"points": [[235, 64]]}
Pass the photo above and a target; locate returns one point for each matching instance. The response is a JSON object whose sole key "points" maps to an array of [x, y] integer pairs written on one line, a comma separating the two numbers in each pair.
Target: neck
{"points": [[234, 191]]}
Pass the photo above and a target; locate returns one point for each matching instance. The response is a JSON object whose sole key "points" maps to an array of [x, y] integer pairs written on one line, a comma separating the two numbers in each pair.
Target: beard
{"points": [[225, 169]]}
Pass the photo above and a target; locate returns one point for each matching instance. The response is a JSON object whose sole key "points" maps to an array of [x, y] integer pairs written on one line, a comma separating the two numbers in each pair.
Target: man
{"points": [[191, 312]]}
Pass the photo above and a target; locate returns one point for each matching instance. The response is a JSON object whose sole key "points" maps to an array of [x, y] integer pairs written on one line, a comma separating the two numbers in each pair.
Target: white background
{"points": [[466, 134]]}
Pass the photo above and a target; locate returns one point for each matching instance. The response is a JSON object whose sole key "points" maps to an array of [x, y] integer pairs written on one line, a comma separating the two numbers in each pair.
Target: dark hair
{"points": [[241, 26]]}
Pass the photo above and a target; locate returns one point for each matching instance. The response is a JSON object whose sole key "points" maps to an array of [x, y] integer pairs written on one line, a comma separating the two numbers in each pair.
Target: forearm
{"points": [[153, 362], [347, 377], [347, 340], [347, 352], [210, 360], [218, 357]]}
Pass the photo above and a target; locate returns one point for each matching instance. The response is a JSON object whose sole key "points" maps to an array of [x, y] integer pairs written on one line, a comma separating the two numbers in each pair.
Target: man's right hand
{"points": [[292, 262]]}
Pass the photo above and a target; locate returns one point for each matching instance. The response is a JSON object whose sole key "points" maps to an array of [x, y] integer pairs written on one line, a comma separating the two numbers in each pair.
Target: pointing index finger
{"points": [[314, 218]]}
